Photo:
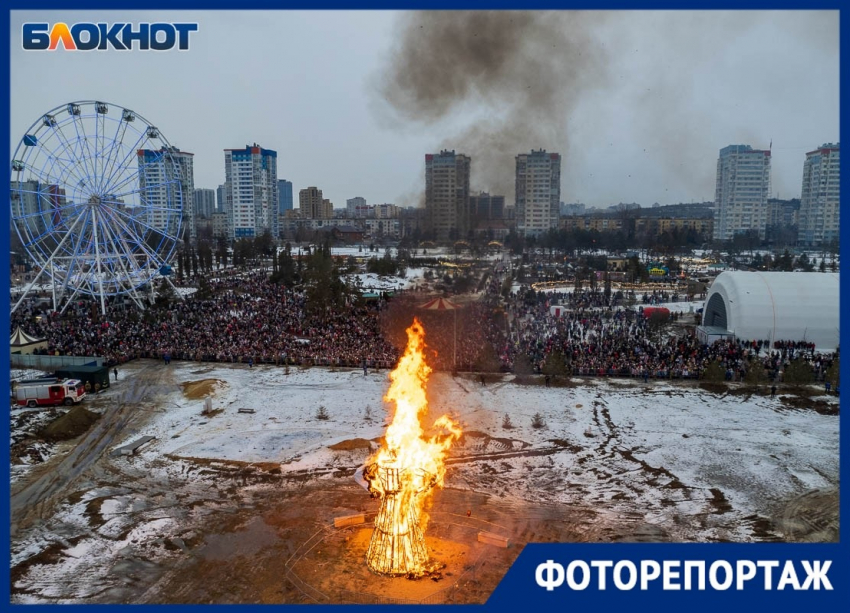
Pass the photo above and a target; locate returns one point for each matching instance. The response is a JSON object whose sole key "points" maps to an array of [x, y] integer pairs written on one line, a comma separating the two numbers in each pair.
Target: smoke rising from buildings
{"points": [[520, 73]]}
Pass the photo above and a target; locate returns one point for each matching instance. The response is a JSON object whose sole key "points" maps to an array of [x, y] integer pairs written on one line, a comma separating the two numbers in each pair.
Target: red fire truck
{"points": [[49, 392]]}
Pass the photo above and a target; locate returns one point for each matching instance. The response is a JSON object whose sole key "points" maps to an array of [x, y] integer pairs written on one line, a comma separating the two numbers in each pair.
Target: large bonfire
{"points": [[406, 468]]}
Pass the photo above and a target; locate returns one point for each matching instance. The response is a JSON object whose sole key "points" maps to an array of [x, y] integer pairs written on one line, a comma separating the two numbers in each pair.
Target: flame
{"points": [[405, 443], [409, 464]]}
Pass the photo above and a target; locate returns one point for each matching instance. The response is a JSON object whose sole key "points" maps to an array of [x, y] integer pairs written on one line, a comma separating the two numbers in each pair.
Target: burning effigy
{"points": [[407, 467]]}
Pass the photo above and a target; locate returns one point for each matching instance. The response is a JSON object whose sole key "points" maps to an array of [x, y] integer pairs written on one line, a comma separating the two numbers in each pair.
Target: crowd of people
{"points": [[246, 318], [598, 336]]}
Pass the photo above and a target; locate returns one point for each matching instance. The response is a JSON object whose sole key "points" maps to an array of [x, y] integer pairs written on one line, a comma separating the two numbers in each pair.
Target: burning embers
{"points": [[406, 467]]}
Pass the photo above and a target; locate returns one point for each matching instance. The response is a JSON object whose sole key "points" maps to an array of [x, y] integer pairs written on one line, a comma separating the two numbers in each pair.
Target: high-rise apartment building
{"points": [[157, 185], [447, 194], [538, 192], [385, 211], [284, 189], [36, 206], [742, 190], [219, 225], [487, 207], [354, 207], [204, 202], [220, 199], [821, 196], [312, 205], [251, 191]]}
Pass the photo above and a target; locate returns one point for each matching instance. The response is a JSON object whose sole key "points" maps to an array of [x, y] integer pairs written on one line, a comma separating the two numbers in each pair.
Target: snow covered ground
{"points": [[666, 450], [19, 374], [369, 281], [666, 459]]}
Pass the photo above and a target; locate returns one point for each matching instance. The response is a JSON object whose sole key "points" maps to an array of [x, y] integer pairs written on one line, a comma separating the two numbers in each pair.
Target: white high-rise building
{"points": [[821, 196], [538, 192], [353, 205], [156, 187], [742, 190], [251, 191]]}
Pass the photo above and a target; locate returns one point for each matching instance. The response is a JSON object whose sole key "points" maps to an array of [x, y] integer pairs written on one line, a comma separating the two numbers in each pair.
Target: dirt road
{"points": [[35, 500]]}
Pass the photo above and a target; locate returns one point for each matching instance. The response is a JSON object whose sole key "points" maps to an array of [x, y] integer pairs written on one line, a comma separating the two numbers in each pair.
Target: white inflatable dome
{"points": [[790, 306]]}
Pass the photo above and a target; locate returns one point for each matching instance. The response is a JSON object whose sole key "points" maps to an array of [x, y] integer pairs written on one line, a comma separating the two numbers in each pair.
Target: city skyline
{"points": [[350, 139]]}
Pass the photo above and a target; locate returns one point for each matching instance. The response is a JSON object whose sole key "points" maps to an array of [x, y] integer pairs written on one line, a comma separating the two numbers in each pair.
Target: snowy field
{"points": [[369, 281], [664, 450], [619, 459]]}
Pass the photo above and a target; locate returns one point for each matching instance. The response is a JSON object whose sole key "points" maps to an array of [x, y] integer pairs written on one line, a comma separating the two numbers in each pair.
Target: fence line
{"points": [[52, 362]]}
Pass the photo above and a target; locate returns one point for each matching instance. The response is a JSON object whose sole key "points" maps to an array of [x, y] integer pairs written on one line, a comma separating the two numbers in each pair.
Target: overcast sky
{"points": [[638, 103]]}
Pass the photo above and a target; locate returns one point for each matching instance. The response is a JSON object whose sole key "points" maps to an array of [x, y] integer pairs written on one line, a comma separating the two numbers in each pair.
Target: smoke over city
{"points": [[520, 74], [630, 99]]}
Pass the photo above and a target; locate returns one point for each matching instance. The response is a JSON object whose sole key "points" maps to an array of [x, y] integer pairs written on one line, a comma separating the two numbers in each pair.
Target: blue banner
{"points": [[701, 577]]}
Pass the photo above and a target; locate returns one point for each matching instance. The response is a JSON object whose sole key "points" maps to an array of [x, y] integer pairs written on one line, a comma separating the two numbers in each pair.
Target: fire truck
{"points": [[49, 392]]}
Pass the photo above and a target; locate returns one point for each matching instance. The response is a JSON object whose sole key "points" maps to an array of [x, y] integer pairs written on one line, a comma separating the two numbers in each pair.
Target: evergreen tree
{"points": [[523, 365], [714, 372], [785, 262], [756, 374], [799, 372], [804, 263], [555, 365], [832, 374], [324, 287]]}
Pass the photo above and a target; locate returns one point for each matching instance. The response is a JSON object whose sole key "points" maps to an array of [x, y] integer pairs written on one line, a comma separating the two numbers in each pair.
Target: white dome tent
{"points": [[776, 306]]}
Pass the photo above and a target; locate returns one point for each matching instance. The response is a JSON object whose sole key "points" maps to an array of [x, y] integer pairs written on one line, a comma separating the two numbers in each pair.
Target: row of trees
{"points": [[798, 372], [566, 241], [787, 262]]}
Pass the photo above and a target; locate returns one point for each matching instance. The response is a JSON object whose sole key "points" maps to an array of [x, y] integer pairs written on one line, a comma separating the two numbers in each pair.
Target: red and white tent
{"points": [[439, 304], [21, 342]]}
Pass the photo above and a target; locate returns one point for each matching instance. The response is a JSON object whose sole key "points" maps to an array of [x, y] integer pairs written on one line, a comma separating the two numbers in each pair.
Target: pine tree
{"points": [[832, 374], [555, 365], [714, 372], [799, 372], [756, 374], [522, 365]]}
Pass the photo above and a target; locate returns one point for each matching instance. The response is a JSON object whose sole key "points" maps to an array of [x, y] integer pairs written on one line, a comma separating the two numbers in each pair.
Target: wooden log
{"points": [[493, 539], [349, 520]]}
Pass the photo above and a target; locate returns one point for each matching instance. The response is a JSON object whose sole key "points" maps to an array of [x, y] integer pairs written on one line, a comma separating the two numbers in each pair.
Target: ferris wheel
{"points": [[97, 202]]}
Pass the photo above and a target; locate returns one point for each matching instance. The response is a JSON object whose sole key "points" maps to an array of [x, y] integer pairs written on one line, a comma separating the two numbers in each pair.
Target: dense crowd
{"points": [[597, 336], [245, 317]]}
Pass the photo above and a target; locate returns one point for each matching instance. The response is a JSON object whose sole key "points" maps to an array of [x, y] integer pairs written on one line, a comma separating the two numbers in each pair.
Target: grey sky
{"points": [[644, 122]]}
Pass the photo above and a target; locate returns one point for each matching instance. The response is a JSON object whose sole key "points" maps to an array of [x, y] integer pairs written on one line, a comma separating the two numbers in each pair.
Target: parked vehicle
{"points": [[96, 376], [50, 393]]}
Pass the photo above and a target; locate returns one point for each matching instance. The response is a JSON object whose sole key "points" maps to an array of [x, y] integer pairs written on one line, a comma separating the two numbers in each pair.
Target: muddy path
{"points": [[35, 498]]}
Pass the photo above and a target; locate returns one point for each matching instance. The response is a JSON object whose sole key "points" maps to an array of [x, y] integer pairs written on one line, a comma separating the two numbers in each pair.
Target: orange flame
{"points": [[407, 467], [405, 444]]}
